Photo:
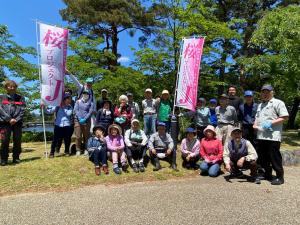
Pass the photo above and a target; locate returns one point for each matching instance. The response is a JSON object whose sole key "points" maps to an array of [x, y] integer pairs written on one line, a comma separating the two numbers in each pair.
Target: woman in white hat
{"points": [[211, 150], [136, 141]]}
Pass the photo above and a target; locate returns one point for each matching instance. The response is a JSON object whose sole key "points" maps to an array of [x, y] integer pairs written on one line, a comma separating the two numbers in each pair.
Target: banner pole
{"points": [[40, 77], [178, 68]]}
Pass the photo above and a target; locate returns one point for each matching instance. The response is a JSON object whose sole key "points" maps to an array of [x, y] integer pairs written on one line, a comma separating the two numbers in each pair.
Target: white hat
{"points": [[135, 121], [165, 92], [148, 90]]}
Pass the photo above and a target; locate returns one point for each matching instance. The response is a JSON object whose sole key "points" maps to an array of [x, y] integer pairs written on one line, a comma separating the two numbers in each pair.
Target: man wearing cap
{"points": [[212, 109], [271, 114], [136, 141], [190, 147], [97, 150], [165, 109], [63, 124], [239, 154], [201, 117], [247, 116], [227, 118], [135, 109], [149, 106], [161, 146], [103, 99]]}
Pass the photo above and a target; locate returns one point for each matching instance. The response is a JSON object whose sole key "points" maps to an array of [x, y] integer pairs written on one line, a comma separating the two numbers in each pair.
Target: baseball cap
{"points": [[267, 87], [148, 90], [236, 129], [213, 100], [67, 95], [161, 124], [248, 93], [89, 80], [104, 90], [190, 130], [224, 96], [165, 92]]}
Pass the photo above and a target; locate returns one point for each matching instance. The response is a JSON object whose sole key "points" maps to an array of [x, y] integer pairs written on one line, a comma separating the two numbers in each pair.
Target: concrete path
{"points": [[200, 200]]}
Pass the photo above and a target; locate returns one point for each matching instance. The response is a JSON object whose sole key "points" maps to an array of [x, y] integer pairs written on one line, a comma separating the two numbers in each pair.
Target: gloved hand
{"points": [[82, 121], [267, 125]]}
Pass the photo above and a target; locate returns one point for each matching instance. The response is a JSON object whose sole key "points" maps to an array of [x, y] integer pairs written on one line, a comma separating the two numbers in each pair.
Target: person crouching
{"points": [[190, 149], [238, 154], [115, 147], [97, 150], [136, 141], [161, 146]]}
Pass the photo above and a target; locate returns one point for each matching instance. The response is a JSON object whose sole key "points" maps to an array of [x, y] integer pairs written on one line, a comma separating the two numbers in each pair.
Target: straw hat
{"points": [[115, 126]]}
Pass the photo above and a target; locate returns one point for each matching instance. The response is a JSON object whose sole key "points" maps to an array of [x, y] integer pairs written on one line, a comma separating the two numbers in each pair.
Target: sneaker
{"points": [[97, 170], [277, 181], [254, 179], [16, 161], [86, 153], [78, 153], [117, 170], [124, 168], [105, 169], [51, 155], [174, 167], [237, 174], [57, 150], [135, 168], [142, 167], [3, 162], [157, 167]]}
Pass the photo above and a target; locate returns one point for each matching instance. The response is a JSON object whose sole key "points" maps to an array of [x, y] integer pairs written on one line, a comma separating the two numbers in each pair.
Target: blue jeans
{"points": [[210, 168], [149, 124]]}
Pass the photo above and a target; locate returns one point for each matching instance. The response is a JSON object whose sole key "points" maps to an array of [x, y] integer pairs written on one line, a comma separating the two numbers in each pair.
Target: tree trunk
{"points": [[114, 46], [293, 113]]}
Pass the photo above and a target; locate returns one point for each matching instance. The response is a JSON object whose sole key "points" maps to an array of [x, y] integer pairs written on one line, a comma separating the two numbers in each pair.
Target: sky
{"points": [[20, 17]]}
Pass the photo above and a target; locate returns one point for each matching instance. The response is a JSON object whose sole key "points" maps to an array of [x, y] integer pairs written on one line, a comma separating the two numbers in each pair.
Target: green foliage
{"points": [[29, 136]]}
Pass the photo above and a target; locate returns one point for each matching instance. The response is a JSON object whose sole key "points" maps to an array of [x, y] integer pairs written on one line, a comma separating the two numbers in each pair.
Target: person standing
{"points": [[165, 109], [233, 99], [212, 109], [227, 118], [12, 109], [105, 116], [271, 114], [149, 106], [247, 116], [135, 109], [103, 99]]}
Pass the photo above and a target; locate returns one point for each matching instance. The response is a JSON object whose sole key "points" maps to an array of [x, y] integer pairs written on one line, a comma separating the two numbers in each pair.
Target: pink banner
{"points": [[53, 52], [188, 75]]}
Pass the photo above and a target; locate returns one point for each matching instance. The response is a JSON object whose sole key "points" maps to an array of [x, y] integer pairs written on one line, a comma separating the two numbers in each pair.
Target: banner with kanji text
{"points": [[53, 51], [188, 74]]}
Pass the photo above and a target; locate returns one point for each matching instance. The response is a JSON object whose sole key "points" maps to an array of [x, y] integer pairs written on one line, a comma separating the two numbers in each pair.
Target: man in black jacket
{"points": [[12, 109]]}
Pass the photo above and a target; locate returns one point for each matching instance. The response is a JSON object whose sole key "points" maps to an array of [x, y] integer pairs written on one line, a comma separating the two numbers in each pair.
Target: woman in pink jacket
{"points": [[190, 147], [211, 150], [115, 148]]}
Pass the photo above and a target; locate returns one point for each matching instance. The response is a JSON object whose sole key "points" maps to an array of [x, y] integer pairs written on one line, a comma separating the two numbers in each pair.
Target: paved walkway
{"points": [[200, 200]]}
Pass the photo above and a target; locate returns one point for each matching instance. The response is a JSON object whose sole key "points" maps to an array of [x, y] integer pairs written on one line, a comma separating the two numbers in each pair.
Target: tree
{"points": [[278, 34], [107, 19]]}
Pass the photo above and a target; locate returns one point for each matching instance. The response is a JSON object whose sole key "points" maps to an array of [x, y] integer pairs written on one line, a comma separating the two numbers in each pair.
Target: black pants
{"points": [[170, 158], [136, 153], [193, 161], [62, 133], [6, 130], [99, 157], [247, 165], [250, 134], [269, 157]]}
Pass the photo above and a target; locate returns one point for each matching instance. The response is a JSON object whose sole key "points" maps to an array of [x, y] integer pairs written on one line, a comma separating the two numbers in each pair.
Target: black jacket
{"points": [[12, 107]]}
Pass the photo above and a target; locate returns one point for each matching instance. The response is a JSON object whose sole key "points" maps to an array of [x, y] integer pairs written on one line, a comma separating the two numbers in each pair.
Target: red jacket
{"points": [[211, 150]]}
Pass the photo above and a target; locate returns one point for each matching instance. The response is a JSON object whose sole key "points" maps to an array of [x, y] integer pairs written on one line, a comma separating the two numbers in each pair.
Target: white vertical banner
{"points": [[188, 74], [53, 51]]}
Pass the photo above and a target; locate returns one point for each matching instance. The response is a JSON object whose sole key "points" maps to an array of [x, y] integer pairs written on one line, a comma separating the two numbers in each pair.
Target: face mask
{"points": [[85, 97]]}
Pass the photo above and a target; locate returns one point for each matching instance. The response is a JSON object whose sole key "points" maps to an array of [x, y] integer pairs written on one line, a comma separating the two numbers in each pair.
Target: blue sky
{"points": [[20, 16]]}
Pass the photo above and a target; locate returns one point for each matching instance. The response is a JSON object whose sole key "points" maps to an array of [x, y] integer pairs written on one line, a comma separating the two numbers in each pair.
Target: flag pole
{"points": [[178, 68], [40, 78]]}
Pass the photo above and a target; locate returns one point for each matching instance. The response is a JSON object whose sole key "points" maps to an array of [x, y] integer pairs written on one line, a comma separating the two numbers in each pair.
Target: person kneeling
{"points": [[161, 146], [96, 147], [190, 149], [136, 141], [211, 150], [115, 146], [238, 154]]}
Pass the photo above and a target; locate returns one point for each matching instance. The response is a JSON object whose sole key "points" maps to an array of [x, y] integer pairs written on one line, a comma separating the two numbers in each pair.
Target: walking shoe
{"points": [[135, 168], [174, 167], [86, 153], [3, 163], [51, 155], [237, 174], [157, 167], [97, 170], [117, 170], [277, 181], [142, 167], [105, 169], [78, 153], [124, 168], [254, 179], [57, 149], [16, 161]]}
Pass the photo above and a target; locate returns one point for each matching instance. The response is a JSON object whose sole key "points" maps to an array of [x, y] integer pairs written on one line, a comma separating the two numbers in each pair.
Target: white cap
{"points": [[148, 90], [165, 92]]}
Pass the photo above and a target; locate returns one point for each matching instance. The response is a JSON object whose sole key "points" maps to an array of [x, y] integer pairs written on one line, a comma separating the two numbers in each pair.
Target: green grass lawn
{"points": [[38, 174]]}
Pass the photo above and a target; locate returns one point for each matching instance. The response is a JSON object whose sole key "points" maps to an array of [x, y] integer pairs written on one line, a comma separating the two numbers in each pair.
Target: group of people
{"points": [[239, 133]]}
